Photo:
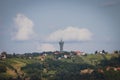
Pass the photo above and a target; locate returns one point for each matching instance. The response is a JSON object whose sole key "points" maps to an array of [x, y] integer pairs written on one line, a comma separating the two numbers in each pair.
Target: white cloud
{"points": [[45, 47], [24, 28], [71, 34]]}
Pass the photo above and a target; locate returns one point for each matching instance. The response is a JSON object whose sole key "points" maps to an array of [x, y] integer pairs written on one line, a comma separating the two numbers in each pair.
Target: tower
{"points": [[61, 43]]}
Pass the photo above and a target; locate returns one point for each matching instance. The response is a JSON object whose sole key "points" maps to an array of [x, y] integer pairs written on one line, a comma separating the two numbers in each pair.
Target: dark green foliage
{"points": [[31, 68], [35, 77], [70, 71], [65, 66], [5, 64], [114, 61], [5, 77], [33, 71], [112, 75], [2, 68]]}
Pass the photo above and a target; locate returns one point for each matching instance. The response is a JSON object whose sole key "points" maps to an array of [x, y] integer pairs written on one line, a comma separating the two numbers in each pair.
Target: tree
{"points": [[96, 52], [103, 51], [116, 51]]}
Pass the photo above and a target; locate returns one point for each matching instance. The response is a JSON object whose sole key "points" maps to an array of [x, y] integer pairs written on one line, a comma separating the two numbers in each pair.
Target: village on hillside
{"points": [[60, 65]]}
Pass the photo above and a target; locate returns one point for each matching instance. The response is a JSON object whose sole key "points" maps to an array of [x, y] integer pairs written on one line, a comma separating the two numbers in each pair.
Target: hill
{"points": [[61, 67]]}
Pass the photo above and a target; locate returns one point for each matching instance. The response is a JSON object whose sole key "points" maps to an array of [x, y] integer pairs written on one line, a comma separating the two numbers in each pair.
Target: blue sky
{"points": [[36, 26]]}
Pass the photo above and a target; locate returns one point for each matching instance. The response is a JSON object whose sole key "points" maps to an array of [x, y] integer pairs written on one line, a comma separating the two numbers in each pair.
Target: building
{"points": [[61, 43], [79, 53], [3, 55]]}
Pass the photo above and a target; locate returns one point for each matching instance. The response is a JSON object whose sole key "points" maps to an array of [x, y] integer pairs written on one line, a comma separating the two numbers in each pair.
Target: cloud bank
{"points": [[45, 47], [71, 34], [24, 28]]}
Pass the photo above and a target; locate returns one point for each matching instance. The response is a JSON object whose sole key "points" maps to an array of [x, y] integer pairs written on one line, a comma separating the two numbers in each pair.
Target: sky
{"points": [[39, 25]]}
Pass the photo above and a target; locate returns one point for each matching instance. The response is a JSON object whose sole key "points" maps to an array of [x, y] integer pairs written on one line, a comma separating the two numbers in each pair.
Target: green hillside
{"points": [[56, 67]]}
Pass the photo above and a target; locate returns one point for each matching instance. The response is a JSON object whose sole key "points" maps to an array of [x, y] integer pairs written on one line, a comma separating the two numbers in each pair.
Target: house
{"points": [[117, 69], [56, 52], [65, 56], [112, 68], [3, 55], [30, 57], [59, 58], [79, 53], [42, 58], [86, 71], [100, 70]]}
